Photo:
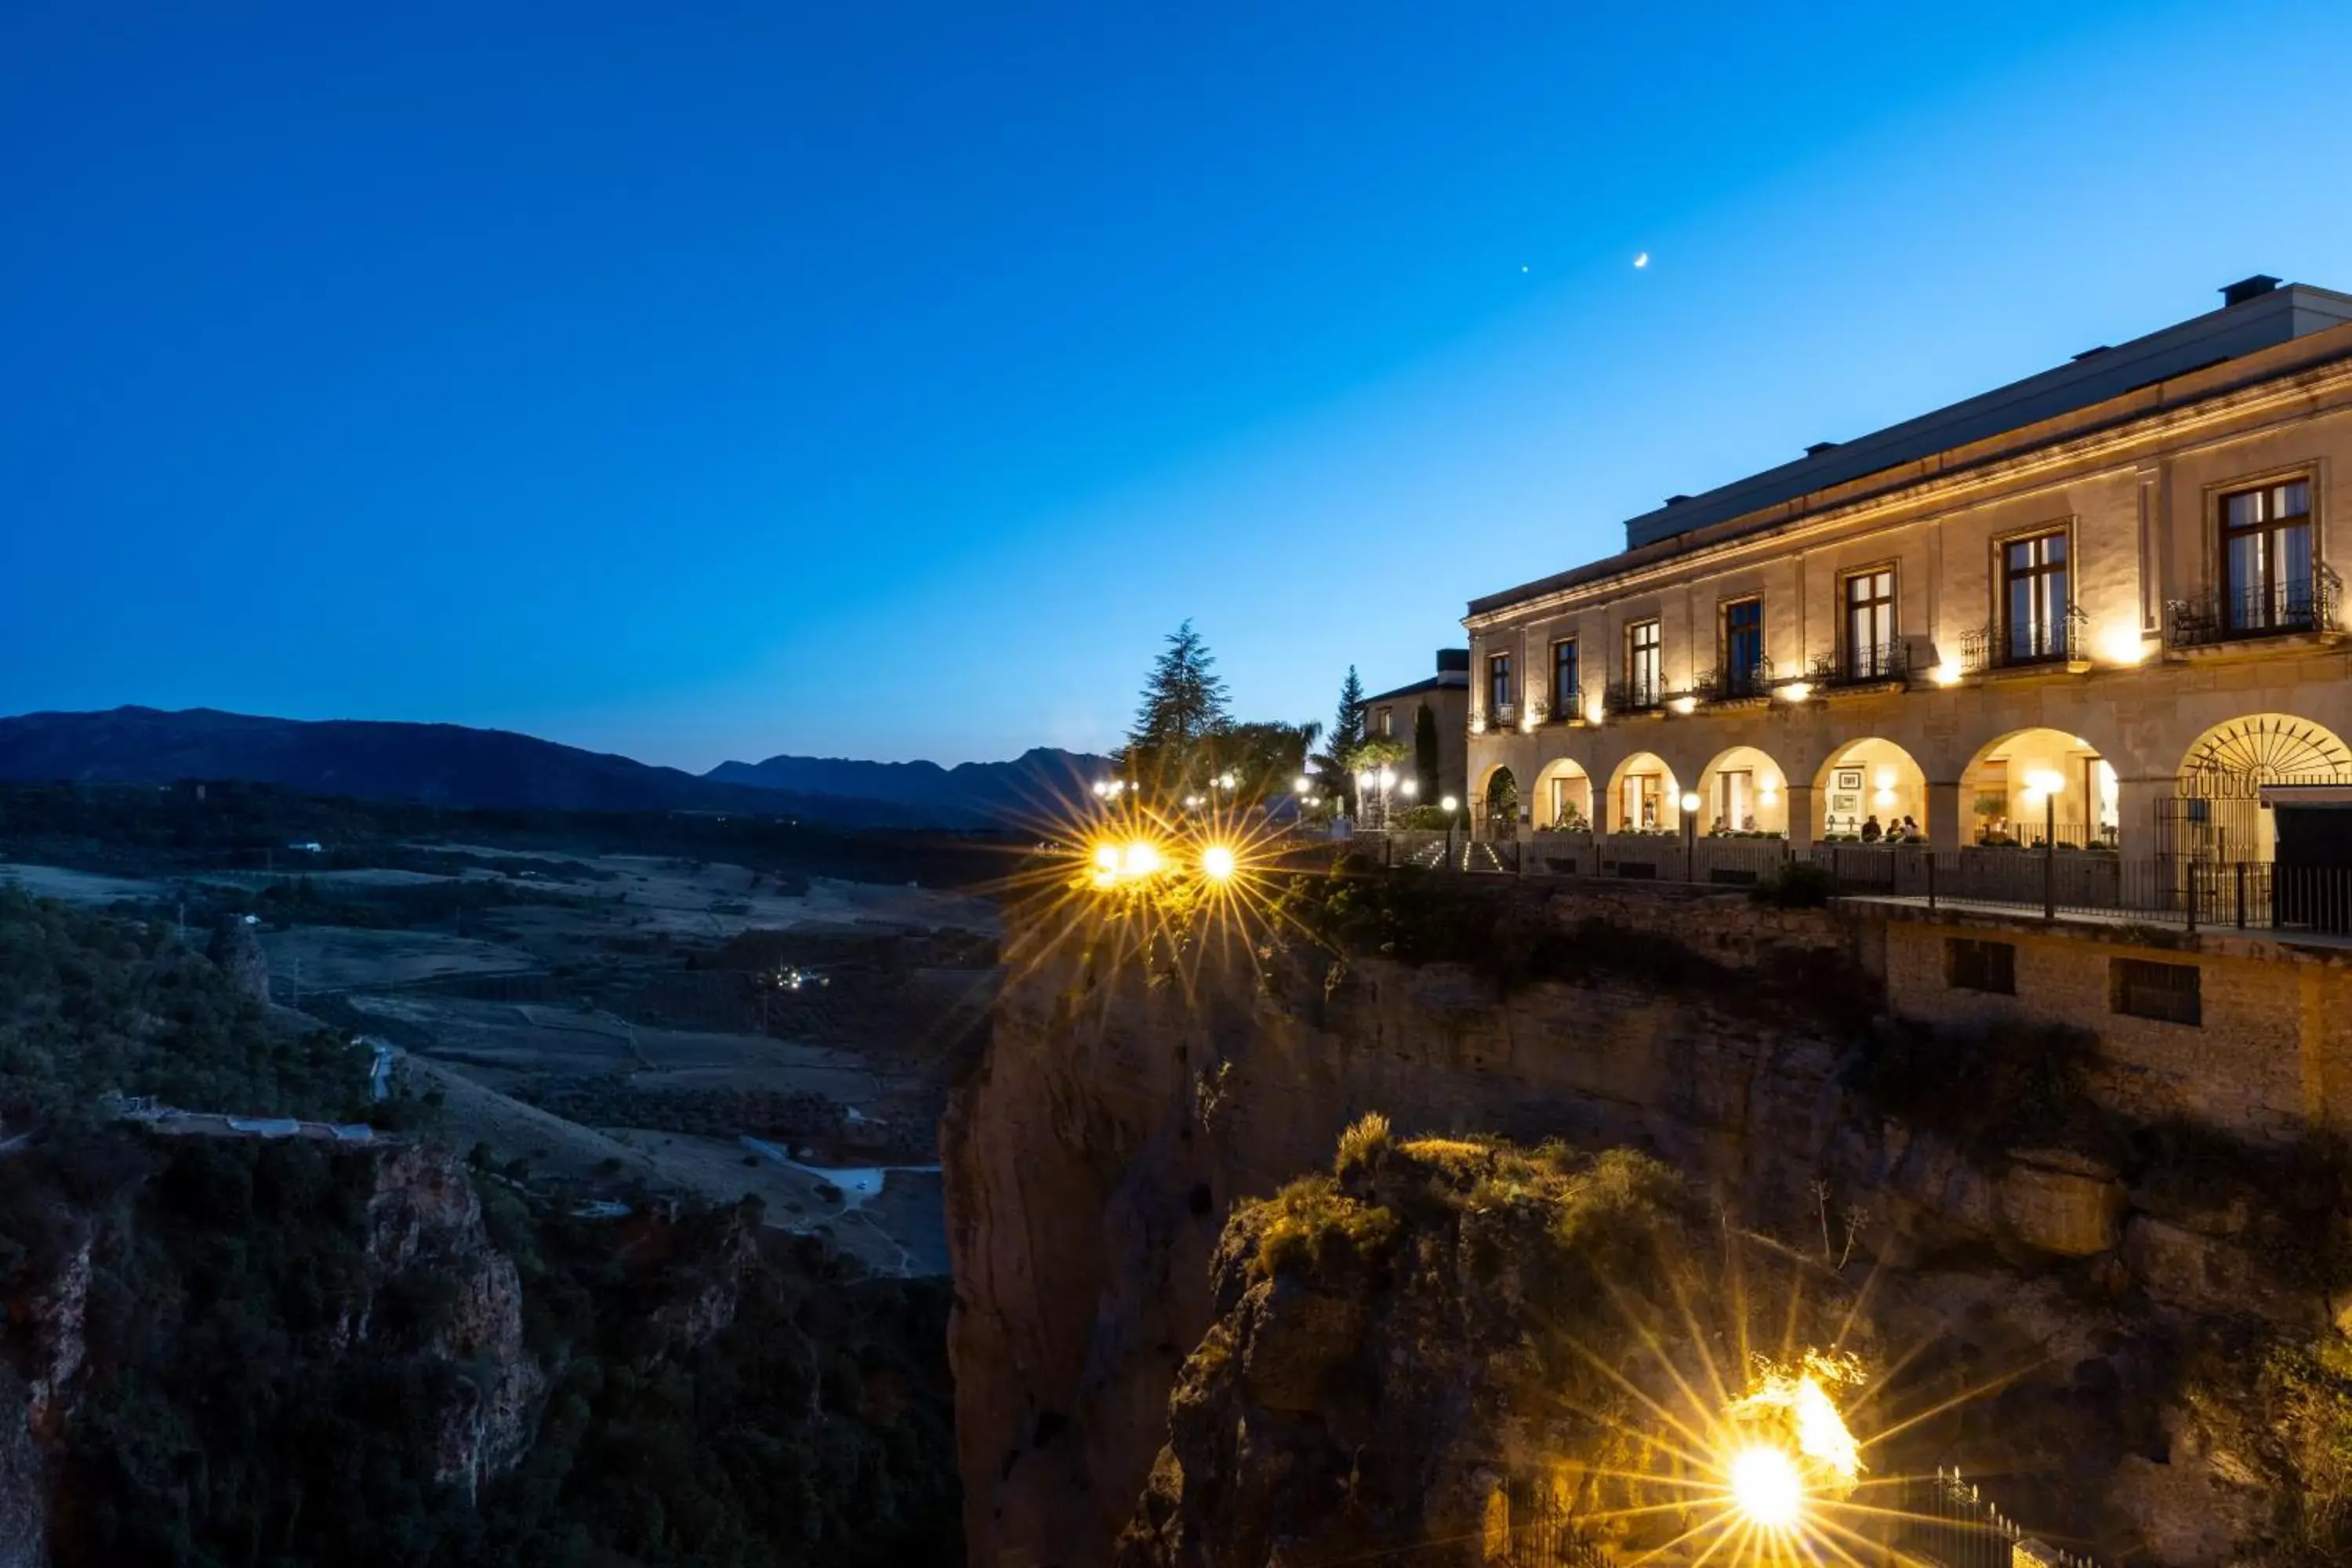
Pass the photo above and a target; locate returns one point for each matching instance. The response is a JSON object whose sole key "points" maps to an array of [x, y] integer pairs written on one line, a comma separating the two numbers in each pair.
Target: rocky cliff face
{"points": [[1394, 1347], [420, 1234], [424, 1214], [1127, 1108]]}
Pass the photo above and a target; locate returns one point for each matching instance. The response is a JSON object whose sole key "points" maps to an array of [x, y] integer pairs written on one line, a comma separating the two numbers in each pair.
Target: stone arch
{"points": [[1865, 778], [2216, 809], [1644, 796], [2020, 785], [1563, 795], [1498, 803], [1743, 789]]}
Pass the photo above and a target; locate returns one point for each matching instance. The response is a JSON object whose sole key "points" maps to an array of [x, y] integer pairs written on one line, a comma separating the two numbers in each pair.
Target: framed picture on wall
{"points": [[1845, 804], [1847, 780]]}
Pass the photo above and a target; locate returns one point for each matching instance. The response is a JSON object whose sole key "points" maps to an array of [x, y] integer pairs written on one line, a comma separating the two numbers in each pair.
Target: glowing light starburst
{"points": [[1766, 1486]]}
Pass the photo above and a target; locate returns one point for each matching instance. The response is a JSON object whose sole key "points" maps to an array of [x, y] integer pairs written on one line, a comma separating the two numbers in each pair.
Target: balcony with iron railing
{"points": [[2019, 645], [1869, 664], [1641, 695], [2298, 606], [1567, 705], [1734, 682]]}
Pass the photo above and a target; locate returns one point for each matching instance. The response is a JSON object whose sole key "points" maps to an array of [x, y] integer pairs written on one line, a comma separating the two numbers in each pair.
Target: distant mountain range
{"points": [[450, 764], [1030, 785]]}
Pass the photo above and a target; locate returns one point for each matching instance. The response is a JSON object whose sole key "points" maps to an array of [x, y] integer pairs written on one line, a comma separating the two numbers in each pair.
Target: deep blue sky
{"points": [[698, 381]]}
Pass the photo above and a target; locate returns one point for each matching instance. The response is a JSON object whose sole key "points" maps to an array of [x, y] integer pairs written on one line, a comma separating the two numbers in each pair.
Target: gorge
{"points": [[2126, 1243]]}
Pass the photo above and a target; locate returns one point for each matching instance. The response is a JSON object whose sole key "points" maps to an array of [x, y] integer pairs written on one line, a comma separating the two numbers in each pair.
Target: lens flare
{"points": [[1141, 859], [1767, 1487], [1217, 863], [1107, 857]]}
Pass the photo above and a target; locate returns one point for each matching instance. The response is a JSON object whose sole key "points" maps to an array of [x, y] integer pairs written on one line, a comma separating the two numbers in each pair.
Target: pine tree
{"points": [[1424, 753], [1183, 708], [1347, 727]]}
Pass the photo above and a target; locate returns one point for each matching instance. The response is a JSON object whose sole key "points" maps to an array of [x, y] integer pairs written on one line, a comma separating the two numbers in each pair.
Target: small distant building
{"points": [[1446, 695]]}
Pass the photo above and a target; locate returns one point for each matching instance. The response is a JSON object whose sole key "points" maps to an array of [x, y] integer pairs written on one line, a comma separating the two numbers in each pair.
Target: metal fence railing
{"points": [[2049, 881], [1951, 1520]]}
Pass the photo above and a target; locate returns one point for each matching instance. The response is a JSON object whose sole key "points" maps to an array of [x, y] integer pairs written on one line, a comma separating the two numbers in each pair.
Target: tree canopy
{"points": [[1184, 708]]}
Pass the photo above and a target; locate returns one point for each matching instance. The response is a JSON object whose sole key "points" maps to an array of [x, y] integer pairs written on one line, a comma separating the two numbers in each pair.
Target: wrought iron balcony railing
{"points": [[1864, 665], [1635, 696], [1730, 683], [2012, 644], [1567, 703], [2310, 604], [1503, 715]]}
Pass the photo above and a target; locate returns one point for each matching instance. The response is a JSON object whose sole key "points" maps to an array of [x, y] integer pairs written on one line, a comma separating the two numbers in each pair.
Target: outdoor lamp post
{"points": [[2047, 783], [1690, 832], [1449, 805]]}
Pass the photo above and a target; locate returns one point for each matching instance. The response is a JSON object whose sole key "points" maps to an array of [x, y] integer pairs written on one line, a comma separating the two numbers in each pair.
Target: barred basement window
{"points": [[2165, 992], [1972, 965]]}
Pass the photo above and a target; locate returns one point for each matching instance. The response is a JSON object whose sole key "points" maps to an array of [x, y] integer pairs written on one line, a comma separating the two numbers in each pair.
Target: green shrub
{"points": [[1363, 1145], [1797, 885]]}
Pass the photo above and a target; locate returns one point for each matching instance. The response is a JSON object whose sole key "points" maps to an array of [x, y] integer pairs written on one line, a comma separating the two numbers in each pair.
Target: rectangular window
{"points": [[1735, 801], [1566, 686], [2034, 600], [1498, 684], [1383, 721], [1870, 650], [2165, 992], [1971, 965], [1642, 808], [1643, 664], [1567, 801], [1743, 647], [2266, 566]]}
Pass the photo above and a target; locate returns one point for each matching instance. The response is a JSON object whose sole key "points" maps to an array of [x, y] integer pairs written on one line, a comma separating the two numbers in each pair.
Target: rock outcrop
{"points": [[424, 1215], [235, 949], [1395, 1348], [1127, 1105]]}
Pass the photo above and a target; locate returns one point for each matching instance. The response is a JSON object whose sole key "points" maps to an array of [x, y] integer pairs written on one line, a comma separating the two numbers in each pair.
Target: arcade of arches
{"points": [[1644, 796], [1869, 789], [2015, 789]]}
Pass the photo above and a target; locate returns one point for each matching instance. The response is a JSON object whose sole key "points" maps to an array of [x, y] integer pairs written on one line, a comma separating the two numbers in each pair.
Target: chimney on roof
{"points": [[1677, 500], [1818, 447], [1454, 658], [2246, 288]]}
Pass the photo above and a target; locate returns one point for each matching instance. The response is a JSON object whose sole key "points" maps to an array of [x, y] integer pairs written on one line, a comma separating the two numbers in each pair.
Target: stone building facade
{"points": [[1392, 715], [2098, 605]]}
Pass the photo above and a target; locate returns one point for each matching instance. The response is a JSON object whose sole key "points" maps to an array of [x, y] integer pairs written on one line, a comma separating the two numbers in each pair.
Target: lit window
{"points": [[1566, 686], [2266, 558], [1643, 664], [2035, 599], [1869, 649]]}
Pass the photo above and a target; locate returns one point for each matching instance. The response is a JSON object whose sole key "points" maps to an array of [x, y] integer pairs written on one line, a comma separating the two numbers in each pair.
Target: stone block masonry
{"points": [[2267, 1057]]}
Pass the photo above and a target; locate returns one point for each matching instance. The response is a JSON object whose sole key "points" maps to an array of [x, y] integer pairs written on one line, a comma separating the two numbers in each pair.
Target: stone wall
{"points": [[2269, 1060]]}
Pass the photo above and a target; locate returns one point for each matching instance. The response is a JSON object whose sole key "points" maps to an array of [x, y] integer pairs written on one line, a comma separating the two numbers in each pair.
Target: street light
{"points": [[1410, 787], [2046, 783], [1690, 832], [1766, 1485]]}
